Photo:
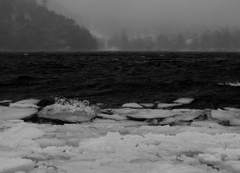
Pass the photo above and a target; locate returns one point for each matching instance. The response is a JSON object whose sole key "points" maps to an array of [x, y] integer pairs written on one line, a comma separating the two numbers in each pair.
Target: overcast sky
{"points": [[112, 14]]}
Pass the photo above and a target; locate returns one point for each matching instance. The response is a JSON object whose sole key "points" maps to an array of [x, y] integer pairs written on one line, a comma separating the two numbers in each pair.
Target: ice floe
{"points": [[184, 100], [118, 146], [116, 140], [16, 165], [131, 105], [30, 103], [8, 113], [69, 110]]}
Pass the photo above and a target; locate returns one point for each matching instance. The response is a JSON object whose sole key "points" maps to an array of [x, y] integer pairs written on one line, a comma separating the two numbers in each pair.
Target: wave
{"points": [[25, 79], [233, 84], [64, 105]]}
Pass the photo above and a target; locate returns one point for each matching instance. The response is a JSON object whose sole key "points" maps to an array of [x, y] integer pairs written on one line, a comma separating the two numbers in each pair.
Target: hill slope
{"points": [[26, 25]]}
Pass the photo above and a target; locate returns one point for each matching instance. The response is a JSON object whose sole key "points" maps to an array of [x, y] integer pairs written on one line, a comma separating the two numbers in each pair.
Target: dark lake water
{"points": [[114, 78]]}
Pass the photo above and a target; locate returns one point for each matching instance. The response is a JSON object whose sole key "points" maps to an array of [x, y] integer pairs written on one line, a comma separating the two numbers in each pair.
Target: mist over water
{"points": [[107, 16]]}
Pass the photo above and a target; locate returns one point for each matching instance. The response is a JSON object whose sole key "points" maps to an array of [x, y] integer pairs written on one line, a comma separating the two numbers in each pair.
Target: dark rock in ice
{"points": [[46, 102]]}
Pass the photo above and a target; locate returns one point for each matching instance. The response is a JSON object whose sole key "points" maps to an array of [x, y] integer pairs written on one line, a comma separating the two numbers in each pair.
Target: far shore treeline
{"points": [[27, 25], [223, 39]]}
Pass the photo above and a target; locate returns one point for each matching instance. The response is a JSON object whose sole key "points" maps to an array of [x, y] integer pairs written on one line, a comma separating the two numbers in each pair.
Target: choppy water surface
{"points": [[114, 78]]}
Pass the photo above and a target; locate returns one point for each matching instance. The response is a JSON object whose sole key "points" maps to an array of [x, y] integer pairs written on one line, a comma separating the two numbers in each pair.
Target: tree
{"points": [[25, 25], [123, 42], [163, 42]]}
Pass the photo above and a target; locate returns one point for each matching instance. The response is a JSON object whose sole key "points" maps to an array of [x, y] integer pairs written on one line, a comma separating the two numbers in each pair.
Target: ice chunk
{"points": [[78, 116], [7, 113], [234, 122], [184, 100], [151, 114], [5, 101], [114, 117], [236, 110], [175, 168], [27, 132], [69, 110], [167, 121], [147, 105], [131, 105], [233, 166], [210, 159], [124, 111], [167, 105], [187, 114], [223, 115], [15, 164], [30, 103], [50, 142]]}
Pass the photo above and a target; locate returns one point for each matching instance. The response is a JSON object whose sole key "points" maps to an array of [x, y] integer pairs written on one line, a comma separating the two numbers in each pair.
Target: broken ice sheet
{"points": [[124, 146]]}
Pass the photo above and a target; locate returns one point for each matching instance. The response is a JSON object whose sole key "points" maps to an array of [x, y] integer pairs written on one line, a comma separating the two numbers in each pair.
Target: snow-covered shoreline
{"points": [[125, 140]]}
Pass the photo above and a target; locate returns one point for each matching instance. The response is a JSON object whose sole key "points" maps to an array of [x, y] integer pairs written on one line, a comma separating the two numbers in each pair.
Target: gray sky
{"points": [[156, 15]]}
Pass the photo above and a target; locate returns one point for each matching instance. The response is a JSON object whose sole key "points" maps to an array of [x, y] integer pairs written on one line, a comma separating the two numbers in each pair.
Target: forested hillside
{"points": [[26, 25]]}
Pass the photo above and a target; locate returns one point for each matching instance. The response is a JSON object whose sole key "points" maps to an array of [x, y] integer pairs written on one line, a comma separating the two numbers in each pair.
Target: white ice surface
{"points": [[184, 100], [30, 103], [108, 146], [15, 164], [131, 105], [8, 113]]}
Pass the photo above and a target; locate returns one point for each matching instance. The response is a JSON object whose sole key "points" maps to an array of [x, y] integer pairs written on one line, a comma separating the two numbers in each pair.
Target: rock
{"points": [[167, 105], [7, 113], [132, 105], [184, 100], [46, 102], [15, 164]]}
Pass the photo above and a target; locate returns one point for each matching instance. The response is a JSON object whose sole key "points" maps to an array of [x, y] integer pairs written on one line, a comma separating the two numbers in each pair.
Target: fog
{"points": [[109, 16]]}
